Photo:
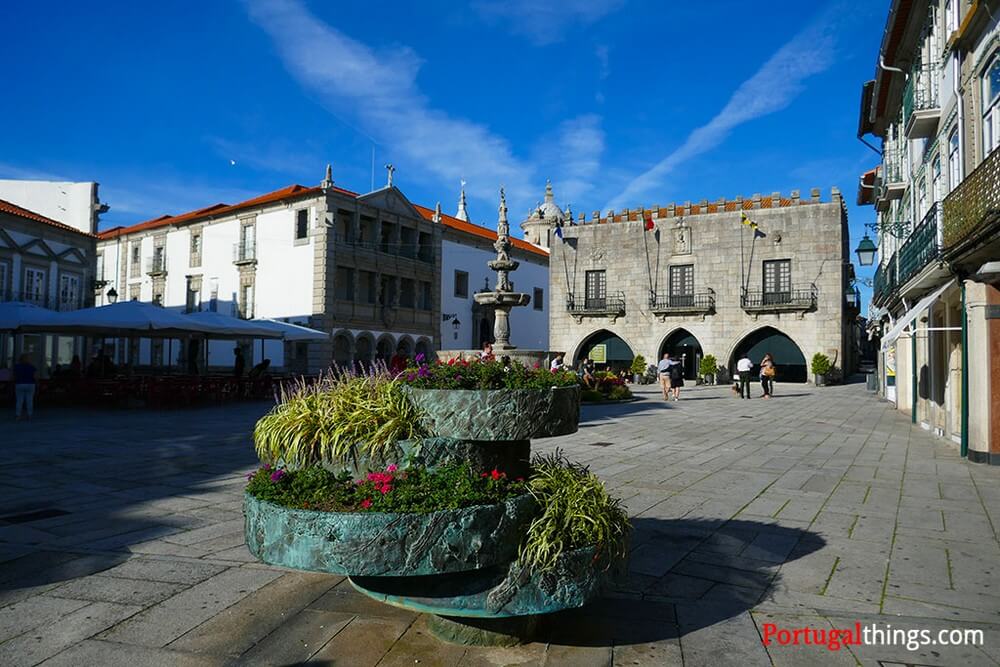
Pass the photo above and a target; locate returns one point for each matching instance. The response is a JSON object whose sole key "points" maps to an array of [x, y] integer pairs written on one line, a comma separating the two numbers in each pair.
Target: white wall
{"points": [[65, 202], [284, 282], [529, 327]]}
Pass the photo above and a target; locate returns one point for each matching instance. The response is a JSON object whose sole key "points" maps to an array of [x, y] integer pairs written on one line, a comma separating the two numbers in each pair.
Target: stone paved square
{"points": [[121, 542]]}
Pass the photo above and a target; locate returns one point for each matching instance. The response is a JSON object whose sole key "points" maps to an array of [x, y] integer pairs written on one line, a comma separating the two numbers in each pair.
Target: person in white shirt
{"points": [[663, 372], [743, 367], [557, 363]]}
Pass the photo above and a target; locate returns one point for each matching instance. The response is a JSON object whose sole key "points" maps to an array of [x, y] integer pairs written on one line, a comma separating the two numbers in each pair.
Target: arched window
{"points": [[991, 108]]}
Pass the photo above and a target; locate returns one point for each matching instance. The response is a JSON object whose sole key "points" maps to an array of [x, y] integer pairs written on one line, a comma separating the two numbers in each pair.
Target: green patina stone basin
{"points": [[498, 592], [498, 414], [382, 544]]}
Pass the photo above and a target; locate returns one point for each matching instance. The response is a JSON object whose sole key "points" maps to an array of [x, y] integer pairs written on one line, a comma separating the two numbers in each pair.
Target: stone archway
{"points": [[789, 361], [364, 350], [619, 354], [423, 347], [343, 349], [405, 345], [684, 346], [384, 348]]}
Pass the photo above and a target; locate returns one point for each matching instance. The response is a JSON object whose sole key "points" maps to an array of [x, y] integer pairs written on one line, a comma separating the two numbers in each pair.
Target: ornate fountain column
{"points": [[503, 297]]}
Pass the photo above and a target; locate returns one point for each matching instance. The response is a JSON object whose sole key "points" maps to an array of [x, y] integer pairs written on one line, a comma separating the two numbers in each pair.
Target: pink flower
{"points": [[277, 475], [366, 503], [386, 488], [392, 467]]}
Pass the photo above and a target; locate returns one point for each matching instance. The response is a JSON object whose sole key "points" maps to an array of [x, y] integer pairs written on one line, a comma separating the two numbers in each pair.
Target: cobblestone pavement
{"points": [[121, 542]]}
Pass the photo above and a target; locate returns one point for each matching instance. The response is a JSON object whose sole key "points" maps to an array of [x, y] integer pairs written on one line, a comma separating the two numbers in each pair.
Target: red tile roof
{"points": [[476, 230], [14, 209], [218, 209]]}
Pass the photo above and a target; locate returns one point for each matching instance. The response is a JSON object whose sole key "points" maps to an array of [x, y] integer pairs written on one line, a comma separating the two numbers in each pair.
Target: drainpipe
{"points": [[913, 372], [964, 451]]}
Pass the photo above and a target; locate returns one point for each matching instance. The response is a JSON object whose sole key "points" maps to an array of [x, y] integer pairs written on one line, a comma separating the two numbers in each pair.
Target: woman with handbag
{"points": [[767, 372]]}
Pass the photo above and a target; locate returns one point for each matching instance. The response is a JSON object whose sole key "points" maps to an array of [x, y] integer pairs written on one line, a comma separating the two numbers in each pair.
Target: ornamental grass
{"points": [[336, 420], [576, 511]]}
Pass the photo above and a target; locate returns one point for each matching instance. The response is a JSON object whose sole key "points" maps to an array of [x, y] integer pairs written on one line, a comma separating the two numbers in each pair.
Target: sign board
{"points": [[993, 312], [599, 354]]}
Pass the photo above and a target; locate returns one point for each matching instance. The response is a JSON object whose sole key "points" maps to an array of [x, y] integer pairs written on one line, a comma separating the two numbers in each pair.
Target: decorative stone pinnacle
{"points": [[389, 169], [437, 212], [549, 197], [462, 213], [328, 179]]}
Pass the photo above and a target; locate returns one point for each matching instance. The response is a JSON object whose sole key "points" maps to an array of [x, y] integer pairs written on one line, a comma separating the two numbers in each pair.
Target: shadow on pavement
{"points": [[692, 574]]}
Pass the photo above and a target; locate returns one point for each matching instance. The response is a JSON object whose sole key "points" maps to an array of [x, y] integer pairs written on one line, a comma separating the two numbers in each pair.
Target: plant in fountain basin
{"points": [[480, 374]]}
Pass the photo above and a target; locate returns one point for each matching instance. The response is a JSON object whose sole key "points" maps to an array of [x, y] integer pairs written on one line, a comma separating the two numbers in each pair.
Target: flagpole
{"points": [[750, 262], [645, 243], [742, 259]]}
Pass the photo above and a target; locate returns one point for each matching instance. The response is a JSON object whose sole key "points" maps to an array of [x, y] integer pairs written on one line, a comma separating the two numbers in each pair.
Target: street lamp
{"points": [[456, 325], [852, 297], [112, 295], [866, 251]]}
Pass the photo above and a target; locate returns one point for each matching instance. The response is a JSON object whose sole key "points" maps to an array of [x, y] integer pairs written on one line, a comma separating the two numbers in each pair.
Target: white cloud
{"points": [[378, 95], [602, 59], [576, 154], [545, 22], [770, 89]]}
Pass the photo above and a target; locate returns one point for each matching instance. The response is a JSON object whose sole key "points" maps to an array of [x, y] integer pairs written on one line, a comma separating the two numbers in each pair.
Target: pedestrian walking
{"points": [[557, 363], [676, 378], [663, 372], [743, 368], [767, 373], [24, 387]]}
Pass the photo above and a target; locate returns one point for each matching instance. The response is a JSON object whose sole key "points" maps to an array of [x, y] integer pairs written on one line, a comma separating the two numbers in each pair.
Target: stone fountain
{"points": [[503, 297]]}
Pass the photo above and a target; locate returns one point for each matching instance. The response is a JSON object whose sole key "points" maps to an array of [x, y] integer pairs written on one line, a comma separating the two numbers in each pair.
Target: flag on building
{"points": [[649, 222], [559, 227], [744, 219], [757, 234]]}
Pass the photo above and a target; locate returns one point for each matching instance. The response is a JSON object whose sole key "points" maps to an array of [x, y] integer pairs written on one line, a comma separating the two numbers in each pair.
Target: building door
{"points": [[596, 290], [682, 285], [777, 281]]}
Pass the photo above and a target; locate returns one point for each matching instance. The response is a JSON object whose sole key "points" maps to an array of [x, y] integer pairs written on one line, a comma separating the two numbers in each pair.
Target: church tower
{"points": [[541, 223]]}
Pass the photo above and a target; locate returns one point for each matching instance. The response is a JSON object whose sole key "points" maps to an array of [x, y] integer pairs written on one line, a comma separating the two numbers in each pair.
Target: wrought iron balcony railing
{"points": [[244, 253], [679, 304], [422, 253], [156, 264], [921, 96], [612, 305], [885, 281], [801, 297], [974, 204], [921, 247]]}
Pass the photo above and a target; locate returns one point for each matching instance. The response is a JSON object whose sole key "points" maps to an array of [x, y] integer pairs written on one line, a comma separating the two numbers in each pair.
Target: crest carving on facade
{"points": [[682, 239]]}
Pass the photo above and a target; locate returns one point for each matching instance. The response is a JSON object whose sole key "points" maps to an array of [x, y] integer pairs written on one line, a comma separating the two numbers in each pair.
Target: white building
{"points": [[466, 248], [73, 204]]}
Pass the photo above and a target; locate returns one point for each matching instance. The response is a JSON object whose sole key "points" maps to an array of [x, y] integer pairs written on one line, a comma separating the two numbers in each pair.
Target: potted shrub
{"points": [[820, 367], [638, 368], [707, 368]]}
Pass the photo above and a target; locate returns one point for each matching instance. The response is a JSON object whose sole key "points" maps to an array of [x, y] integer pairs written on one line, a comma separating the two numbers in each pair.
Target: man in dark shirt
{"points": [[239, 363]]}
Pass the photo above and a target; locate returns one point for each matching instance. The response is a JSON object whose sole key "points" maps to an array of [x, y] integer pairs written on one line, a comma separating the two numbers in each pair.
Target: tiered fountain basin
{"points": [[459, 566]]}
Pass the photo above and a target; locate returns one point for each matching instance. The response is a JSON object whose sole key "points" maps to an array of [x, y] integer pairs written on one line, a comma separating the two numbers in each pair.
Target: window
{"points": [[387, 293], [408, 242], [538, 299], [954, 163], [192, 301], [134, 259], [302, 224], [213, 298], [195, 248], [34, 286], [133, 292], [407, 293], [386, 244], [461, 284], [367, 285], [991, 108], [921, 196], [682, 285], [246, 302], [936, 192], [343, 283], [777, 281], [426, 297], [98, 268], [69, 291], [159, 259], [344, 233], [247, 238], [3, 281], [426, 252], [596, 290]]}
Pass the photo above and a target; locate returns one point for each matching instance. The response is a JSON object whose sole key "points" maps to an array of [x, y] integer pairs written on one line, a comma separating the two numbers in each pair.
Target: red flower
{"points": [[366, 503], [496, 474], [485, 474]]}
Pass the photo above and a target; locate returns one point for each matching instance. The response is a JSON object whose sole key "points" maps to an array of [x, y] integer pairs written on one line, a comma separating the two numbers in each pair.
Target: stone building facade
{"points": [[690, 279], [934, 105]]}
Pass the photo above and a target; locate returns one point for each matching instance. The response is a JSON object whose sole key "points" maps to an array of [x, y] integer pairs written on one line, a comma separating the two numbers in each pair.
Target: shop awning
{"points": [[18, 315], [890, 337], [128, 318], [226, 326]]}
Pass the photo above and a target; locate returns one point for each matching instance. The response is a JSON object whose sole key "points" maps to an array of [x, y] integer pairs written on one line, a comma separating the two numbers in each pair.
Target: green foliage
{"points": [[591, 396], [492, 374], [413, 490], [708, 365], [619, 393], [336, 419], [576, 512], [638, 365], [820, 364]]}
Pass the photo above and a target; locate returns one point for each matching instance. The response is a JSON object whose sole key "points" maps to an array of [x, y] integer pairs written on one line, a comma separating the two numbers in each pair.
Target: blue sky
{"points": [[619, 102]]}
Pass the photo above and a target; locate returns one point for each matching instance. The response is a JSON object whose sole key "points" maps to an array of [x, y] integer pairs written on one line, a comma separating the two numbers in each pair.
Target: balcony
{"points": [[156, 265], [244, 253], [893, 184], [60, 302], [885, 281], [972, 210], [699, 303], [921, 247], [921, 105], [421, 253], [798, 298], [605, 306]]}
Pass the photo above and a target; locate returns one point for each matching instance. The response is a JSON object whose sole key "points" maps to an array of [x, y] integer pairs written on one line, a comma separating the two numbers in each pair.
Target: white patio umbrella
{"points": [[134, 318], [292, 332], [15, 315], [226, 326]]}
